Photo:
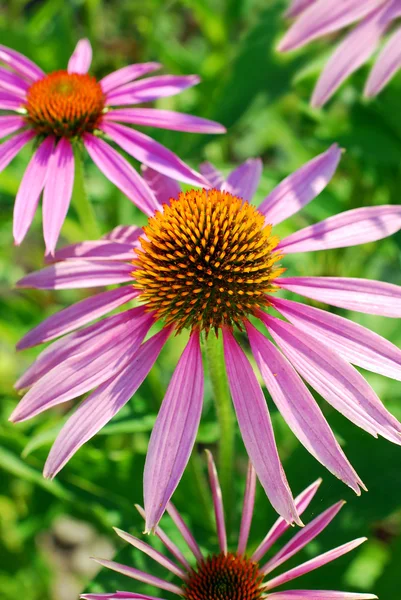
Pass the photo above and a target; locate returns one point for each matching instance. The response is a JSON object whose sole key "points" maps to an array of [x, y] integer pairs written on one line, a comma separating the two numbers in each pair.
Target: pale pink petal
{"points": [[126, 74], [12, 83], [10, 124], [97, 250], [20, 63], [124, 596], [77, 274], [10, 148], [185, 531], [163, 187], [165, 119], [244, 180], [299, 409], [313, 564], [355, 343], [319, 595], [174, 433], [81, 58], [57, 193], [31, 187], [217, 502], [256, 428], [386, 66], [363, 295], [125, 234], [151, 153], [121, 173], [298, 189], [212, 175], [297, 6], [150, 89], [9, 101], [247, 510]]}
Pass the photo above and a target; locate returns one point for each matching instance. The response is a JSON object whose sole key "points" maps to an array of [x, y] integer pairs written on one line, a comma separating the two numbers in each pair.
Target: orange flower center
{"points": [[65, 104], [224, 577], [207, 261]]}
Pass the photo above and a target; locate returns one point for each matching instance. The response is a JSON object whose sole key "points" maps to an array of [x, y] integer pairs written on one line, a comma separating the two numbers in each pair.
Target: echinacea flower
{"points": [[318, 18], [64, 107], [234, 575], [209, 262]]}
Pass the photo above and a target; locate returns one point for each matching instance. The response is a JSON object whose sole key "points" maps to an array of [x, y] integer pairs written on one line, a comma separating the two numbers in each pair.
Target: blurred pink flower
{"points": [[208, 260], [317, 18], [235, 574], [65, 106]]}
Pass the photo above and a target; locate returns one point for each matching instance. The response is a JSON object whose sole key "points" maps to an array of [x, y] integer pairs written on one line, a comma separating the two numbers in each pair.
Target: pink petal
{"points": [[151, 153], [386, 66], [163, 187], [120, 596], [353, 342], [185, 531], [299, 409], [256, 428], [313, 564], [150, 89], [212, 175], [124, 234], [20, 63], [31, 187], [127, 74], [247, 510], [121, 173], [174, 433], [363, 295], [10, 148], [10, 124], [97, 250], [165, 119], [104, 403], [12, 83], [57, 193], [298, 189], [9, 101], [81, 58], [319, 595], [217, 502], [77, 274], [244, 180], [297, 6]]}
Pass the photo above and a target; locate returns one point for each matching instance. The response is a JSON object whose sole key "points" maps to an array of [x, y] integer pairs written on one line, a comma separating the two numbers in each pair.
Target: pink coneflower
{"points": [[208, 262], [235, 575], [66, 107], [317, 18]]}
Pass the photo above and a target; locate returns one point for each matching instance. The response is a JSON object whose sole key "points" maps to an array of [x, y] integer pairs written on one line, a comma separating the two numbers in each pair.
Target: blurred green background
{"points": [[49, 529]]}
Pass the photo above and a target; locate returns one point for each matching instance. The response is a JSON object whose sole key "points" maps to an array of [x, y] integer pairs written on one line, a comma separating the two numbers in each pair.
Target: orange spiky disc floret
{"points": [[65, 104], [224, 577], [207, 261]]}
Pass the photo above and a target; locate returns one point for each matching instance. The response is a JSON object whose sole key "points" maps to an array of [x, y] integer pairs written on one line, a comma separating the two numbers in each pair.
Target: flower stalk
{"points": [[80, 200]]}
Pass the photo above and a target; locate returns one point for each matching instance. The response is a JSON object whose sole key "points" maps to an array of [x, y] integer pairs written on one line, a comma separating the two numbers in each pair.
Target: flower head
{"points": [[208, 262], [236, 575], [317, 18], [69, 109]]}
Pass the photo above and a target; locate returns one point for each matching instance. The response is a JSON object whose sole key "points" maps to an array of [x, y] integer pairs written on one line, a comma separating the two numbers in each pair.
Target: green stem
{"points": [[80, 201]]}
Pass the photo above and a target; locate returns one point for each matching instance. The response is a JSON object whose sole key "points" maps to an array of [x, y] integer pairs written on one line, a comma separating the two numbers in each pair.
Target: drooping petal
{"points": [[31, 187], [9, 101], [150, 89], [299, 409], [12, 83], [20, 63], [126, 74], [163, 187], [386, 65], [350, 228], [256, 428], [151, 153], [296, 7], [57, 193], [165, 119], [244, 180], [247, 511], [10, 124], [298, 189], [124, 234], [213, 176], [174, 433], [363, 295], [355, 343], [129, 596], [97, 250], [10, 148], [120, 172], [217, 502], [319, 595], [81, 58], [185, 531]]}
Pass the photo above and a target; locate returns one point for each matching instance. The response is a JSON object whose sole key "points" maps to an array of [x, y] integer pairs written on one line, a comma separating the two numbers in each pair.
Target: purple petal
{"points": [[299, 409], [319, 595], [244, 180], [363, 295], [31, 187], [174, 433], [10, 148], [9, 101], [20, 63], [297, 6], [165, 119], [57, 193], [97, 250], [124, 596], [247, 511], [212, 175], [355, 343], [298, 189], [185, 531], [386, 66], [313, 564], [151, 153], [124, 234], [126, 74], [217, 502], [256, 428], [120, 172], [151, 88], [77, 274], [10, 124], [81, 58], [164, 188], [12, 83]]}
